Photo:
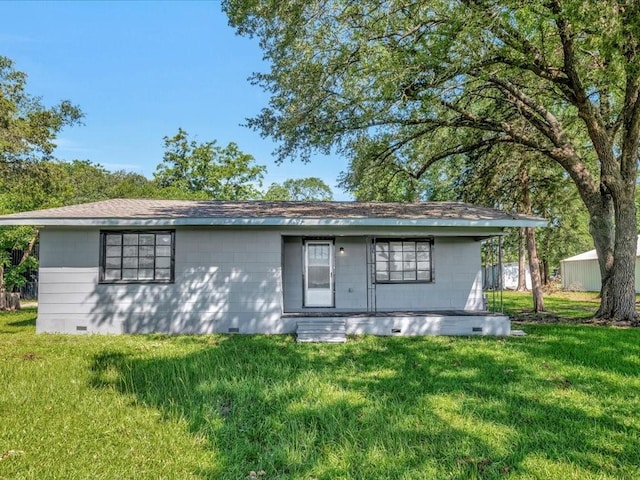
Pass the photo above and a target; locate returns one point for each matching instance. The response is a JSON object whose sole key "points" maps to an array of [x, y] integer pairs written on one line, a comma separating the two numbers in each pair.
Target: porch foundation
{"points": [[414, 323]]}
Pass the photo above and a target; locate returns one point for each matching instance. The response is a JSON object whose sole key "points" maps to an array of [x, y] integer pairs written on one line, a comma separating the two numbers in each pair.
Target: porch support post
{"points": [[500, 273]]}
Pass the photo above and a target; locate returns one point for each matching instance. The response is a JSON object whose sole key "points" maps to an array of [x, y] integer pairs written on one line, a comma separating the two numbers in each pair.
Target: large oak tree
{"points": [[423, 81]]}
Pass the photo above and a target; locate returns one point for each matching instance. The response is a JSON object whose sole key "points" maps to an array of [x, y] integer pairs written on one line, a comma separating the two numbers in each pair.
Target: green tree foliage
{"points": [[418, 82], [311, 189], [205, 170], [27, 128]]}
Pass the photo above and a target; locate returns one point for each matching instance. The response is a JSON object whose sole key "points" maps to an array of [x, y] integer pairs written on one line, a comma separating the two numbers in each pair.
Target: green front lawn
{"points": [[571, 307], [562, 402]]}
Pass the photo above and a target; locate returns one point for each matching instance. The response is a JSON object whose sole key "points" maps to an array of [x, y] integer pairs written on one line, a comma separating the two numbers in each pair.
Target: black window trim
{"points": [[375, 241], [103, 250]]}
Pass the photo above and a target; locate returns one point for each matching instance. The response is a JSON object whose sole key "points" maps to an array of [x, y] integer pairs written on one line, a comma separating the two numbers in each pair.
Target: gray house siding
{"points": [[350, 274], [457, 281], [292, 273], [224, 279], [457, 275], [232, 279]]}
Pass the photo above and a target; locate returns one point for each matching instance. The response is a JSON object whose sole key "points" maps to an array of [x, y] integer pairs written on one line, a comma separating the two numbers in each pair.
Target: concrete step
{"points": [[321, 331], [321, 328], [320, 321], [319, 338]]}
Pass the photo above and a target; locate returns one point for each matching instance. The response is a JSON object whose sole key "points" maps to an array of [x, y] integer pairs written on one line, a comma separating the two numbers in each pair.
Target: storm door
{"points": [[318, 275]]}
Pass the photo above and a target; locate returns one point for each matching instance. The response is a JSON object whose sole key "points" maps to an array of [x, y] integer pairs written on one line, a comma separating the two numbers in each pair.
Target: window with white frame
{"points": [[137, 256], [403, 260]]}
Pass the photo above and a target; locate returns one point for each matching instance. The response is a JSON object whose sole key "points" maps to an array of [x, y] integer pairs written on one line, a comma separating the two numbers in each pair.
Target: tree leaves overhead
{"points": [[411, 83], [207, 170], [458, 75], [311, 189], [27, 128]]}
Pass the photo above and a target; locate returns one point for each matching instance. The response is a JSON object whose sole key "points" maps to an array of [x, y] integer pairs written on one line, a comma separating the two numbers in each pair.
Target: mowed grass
{"points": [[572, 307], [562, 402]]}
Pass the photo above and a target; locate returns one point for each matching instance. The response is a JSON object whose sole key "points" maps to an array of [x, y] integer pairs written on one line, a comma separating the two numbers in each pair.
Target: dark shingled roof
{"points": [[138, 208]]}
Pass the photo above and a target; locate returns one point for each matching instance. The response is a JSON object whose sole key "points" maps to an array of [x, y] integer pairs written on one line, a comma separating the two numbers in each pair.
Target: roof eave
{"points": [[272, 222]]}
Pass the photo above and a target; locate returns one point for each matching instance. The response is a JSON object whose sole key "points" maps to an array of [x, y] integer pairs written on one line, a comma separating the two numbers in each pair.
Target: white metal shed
{"points": [[581, 272]]}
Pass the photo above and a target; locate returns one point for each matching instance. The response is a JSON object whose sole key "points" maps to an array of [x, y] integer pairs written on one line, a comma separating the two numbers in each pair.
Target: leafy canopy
{"points": [[207, 170], [299, 189], [27, 128]]}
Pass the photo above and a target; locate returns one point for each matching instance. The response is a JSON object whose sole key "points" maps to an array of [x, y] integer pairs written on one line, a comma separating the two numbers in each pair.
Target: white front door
{"points": [[318, 278]]}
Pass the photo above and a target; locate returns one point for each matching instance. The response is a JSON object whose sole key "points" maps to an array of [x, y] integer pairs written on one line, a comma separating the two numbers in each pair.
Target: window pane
{"points": [[423, 256], [112, 262], [395, 276], [319, 277], [146, 251], [395, 266], [147, 239], [129, 274], [408, 266], [382, 266], [130, 239], [163, 239], [409, 275], [163, 274], [382, 276], [424, 275], [395, 251], [145, 274], [114, 239], [163, 251], [423, 246], [163, 262], [382, 255], [318, 254], [130, 262], [146, 262], [423, 266], [112, 274], [115, 251], [129, 251], [382, 251]]}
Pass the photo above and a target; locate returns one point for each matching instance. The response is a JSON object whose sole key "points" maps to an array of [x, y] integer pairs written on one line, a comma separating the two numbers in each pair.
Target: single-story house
{"points": [[582, 273], [170, 266]]}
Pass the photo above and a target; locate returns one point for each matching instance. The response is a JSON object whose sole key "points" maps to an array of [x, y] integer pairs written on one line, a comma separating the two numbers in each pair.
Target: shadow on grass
{"points": [[16, 321], [385, 407], [30, 322]]}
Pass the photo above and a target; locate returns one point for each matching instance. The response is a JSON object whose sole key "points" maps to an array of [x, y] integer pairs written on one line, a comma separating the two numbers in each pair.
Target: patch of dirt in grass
{"points": [[550, 317], [30, 356], [10, 454]]}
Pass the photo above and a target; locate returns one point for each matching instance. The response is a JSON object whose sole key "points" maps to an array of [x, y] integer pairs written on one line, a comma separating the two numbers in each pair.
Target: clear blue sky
{"points": [[140, 70]]}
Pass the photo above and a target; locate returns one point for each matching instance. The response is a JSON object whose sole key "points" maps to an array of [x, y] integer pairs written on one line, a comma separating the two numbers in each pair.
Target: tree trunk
{"points": [[544, 271], [8, 300], [616, 244], [534, 270], [530, 235], [29, 250], [622, 289], [522, 262]]}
